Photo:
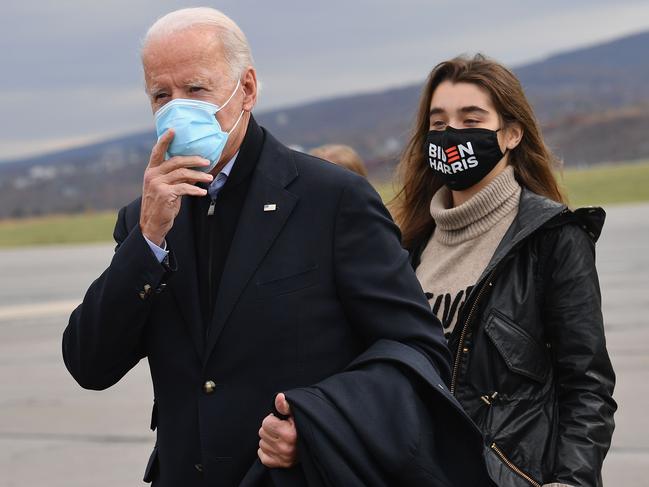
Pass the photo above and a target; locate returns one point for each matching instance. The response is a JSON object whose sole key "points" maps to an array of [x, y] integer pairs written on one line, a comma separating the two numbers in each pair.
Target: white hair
{"points": [[235, 45]]}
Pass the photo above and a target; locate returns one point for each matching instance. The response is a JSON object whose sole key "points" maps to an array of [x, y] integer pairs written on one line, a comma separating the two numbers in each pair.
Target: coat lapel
{"points": [[185, 281], [266, 209]]}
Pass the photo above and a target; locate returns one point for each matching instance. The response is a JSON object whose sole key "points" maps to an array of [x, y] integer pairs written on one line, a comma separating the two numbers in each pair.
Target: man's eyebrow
{"points": [[474, 108], [198, 81], [153, 90]]}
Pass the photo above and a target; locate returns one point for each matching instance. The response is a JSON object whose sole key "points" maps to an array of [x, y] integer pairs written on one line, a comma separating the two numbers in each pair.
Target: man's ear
{"points": [[249, 85], [513, 135]]}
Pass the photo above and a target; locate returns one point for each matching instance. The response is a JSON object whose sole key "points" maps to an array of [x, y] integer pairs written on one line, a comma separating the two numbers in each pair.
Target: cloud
{"points": [[72, 67]]}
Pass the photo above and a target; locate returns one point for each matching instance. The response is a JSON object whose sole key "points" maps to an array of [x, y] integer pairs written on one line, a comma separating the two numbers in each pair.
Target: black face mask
{"points": [[462, 157]]}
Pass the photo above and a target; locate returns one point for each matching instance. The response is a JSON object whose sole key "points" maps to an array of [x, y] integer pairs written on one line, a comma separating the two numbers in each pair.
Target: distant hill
{"points": [[592, 102], [603, 77]]}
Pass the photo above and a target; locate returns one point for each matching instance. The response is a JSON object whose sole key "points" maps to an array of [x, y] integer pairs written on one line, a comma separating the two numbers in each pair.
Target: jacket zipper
{"points": [[210, 212], [513, 467], [465, 329]]}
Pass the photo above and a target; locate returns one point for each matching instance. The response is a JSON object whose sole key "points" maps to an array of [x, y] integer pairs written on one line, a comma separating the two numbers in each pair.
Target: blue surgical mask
{"points": [[197, 132]]}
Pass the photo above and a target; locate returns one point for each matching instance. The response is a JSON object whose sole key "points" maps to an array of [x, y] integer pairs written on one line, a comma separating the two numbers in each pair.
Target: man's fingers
{"points": [[267, 447], [283, 452], [188, 189], [160, 148], [270, 425], [267, 460], [185, 175], [268, 435], [277, 431], [179, 162], [277, 442], [271, 460]]}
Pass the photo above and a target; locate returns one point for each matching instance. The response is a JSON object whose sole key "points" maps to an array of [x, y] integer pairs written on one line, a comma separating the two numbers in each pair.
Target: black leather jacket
{"points": [[530, 364]]}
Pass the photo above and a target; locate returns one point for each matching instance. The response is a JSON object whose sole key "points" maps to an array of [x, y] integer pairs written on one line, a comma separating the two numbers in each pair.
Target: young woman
{"points": [[510, 272]]}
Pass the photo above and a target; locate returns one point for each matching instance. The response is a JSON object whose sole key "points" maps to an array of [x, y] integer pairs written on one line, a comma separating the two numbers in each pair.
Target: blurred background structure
{"points": [[76, 131]]}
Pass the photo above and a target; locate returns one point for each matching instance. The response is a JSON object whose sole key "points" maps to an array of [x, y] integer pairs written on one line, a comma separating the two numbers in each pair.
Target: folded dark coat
{"points": [[387, 420]]}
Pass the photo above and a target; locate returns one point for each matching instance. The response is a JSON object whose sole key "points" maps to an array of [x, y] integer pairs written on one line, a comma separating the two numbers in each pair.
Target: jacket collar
{"points": [[534, 211], [247, 157]]}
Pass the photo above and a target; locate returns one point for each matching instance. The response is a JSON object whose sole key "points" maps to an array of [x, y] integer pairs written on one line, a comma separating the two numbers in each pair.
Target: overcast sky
{"points": [[70, 73]]}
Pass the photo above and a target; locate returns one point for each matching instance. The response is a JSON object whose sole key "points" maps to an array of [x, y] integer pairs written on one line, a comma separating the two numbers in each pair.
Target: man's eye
{"points": [[194, 89], [159, 96]]}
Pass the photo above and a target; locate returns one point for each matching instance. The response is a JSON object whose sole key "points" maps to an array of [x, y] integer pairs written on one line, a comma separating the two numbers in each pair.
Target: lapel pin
{"points": [[270, 207]]}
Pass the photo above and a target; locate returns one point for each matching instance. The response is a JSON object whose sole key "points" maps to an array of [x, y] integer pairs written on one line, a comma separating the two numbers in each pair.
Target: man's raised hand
{"points": [[164, 184]]}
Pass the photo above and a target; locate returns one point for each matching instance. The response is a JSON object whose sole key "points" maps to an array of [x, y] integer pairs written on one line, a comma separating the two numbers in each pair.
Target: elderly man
{"points": [[244, 270]]}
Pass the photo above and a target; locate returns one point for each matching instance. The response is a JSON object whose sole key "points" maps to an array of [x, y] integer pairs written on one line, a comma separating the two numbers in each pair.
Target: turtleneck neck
{"points": [[478, 214]]}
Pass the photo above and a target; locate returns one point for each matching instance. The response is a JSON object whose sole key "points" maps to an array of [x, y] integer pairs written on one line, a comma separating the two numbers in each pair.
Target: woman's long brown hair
{"points": [[532, 161]]}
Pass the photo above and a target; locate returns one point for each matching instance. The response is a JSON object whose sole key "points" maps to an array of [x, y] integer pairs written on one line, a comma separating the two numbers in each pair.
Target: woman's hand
{"points": [[278, 438]]}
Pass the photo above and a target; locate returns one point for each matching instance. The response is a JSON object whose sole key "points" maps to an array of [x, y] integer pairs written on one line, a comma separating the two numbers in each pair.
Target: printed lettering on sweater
{"points": [[447, 307]]}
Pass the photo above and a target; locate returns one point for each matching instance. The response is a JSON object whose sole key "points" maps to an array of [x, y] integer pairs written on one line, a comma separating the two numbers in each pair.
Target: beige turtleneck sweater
{"points": [[463, 243]]}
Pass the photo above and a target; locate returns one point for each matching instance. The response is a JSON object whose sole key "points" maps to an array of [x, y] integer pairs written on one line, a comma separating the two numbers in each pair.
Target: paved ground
{"points": [[52, 433]]}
